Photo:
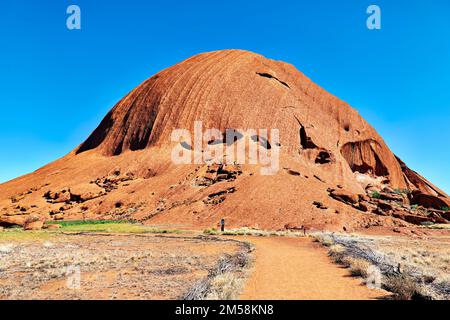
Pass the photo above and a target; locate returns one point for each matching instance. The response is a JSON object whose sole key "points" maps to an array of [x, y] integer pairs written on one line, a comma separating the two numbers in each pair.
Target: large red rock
{"points": [[344, 196], [429, 201], [85, 192], [34, 222], [11, 221], [325, 144], [53, 226]]}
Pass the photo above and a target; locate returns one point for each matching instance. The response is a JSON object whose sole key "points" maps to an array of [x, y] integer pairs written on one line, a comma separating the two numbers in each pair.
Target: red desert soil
{"points": [[335, 171], [298, 269], [112, 266]]}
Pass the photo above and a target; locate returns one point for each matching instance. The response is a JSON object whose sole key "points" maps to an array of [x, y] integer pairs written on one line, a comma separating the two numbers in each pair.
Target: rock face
{"points": [[13, 221], [34, 222], [124, 168]]}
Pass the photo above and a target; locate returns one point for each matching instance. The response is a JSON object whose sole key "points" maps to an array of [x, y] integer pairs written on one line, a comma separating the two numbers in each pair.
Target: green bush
{"points": [[375, 194], [401, 191]]}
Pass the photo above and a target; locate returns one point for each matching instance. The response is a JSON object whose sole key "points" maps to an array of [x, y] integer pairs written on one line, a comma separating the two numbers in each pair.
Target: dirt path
{"points": [[299, 269]]}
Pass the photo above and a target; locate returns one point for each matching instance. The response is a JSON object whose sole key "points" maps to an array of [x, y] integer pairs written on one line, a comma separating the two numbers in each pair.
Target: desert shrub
{"points": [[323, 239], [414, 207], [336, 251], [445, 208], [407, 288], [358, 267], [375, 195]]}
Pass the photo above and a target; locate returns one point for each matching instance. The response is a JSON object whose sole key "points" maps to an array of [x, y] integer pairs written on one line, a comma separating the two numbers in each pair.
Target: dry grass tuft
{"points": [[225, 287], [337, 252], [324, 239], [358, 267], [225, 281], [407, 288], [336, 249]]}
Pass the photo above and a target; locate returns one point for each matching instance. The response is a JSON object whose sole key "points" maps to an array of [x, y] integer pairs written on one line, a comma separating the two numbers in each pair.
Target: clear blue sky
{"points": [[56, 85]]}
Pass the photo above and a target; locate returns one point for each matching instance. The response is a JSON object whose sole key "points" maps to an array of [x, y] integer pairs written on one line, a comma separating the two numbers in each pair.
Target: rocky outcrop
{"points": [[11, 221], [212, 174], [390, 203], [365, 157], [34, 222], [330, 157], [344, 196], [429, 201]]}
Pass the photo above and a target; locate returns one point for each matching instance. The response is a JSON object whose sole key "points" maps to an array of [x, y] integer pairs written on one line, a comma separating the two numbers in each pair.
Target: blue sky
{"points": [[56, 85]]}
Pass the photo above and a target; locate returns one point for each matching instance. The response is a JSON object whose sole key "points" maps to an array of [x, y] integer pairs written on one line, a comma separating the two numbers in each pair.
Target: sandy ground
{"points": [[428, 255], [298, 269], [117, 266], [110, 266]]}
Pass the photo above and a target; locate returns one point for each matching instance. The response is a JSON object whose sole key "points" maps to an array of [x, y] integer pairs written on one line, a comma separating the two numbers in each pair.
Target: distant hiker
{"points": [[222, 224]]}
